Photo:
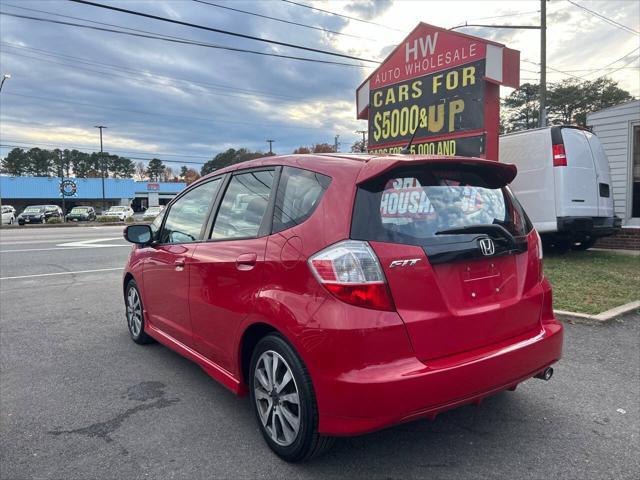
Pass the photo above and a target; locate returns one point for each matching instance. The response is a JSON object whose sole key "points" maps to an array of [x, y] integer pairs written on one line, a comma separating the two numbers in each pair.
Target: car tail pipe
{"points": [[546, 374]]}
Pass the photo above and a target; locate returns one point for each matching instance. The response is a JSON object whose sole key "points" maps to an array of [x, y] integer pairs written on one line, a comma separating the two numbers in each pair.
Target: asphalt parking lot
{"points": [[78, 399]]}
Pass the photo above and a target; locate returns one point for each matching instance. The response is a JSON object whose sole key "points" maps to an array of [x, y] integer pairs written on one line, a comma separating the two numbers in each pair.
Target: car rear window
{"points": [[417, 206]]}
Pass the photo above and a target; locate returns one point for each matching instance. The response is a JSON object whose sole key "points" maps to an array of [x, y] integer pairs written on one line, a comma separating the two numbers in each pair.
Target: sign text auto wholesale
{"points": [[442, 85]]}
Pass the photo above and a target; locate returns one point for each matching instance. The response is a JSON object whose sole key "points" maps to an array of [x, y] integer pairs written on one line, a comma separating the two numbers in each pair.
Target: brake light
{"points": [[351, 272], [559, 156]]}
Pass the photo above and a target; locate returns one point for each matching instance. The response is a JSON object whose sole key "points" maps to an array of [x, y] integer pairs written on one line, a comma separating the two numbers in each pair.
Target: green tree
{"points": [[61, 162], [122, 167], [568, 102], [155, 169], [40, 162], [229, 157], [571, 100], [523, 107], [15, 163], [82, 164]]}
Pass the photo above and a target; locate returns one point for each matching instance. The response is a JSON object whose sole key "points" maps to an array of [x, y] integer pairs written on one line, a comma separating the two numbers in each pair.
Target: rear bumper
{"points": [[591, 226], [386, 394]]}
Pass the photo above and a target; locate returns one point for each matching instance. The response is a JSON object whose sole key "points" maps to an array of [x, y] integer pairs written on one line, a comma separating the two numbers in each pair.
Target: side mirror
{"points": [[138, 234]]}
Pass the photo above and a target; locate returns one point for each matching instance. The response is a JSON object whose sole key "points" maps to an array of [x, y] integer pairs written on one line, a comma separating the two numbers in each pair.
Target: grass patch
{"points": [[592, 282]]}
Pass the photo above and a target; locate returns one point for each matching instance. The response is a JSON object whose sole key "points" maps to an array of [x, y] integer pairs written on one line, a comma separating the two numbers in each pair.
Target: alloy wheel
{"points": [[134, 312], [277, 398]]}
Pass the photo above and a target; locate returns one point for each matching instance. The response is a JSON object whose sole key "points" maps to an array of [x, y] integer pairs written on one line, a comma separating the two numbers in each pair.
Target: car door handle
{"points": [[179, 263], [246, 261]]}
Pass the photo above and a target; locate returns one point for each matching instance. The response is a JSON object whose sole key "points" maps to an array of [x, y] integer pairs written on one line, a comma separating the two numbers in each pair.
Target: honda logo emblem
{"points": [[487, 247]]}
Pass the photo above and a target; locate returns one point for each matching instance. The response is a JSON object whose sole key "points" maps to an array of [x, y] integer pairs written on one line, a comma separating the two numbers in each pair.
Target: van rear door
{"points": [[603, 175], [458, 253], [576, 183]]}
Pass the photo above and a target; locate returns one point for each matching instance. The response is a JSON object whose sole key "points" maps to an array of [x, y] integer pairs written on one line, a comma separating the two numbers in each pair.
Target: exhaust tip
{"points": [[546, 374]]}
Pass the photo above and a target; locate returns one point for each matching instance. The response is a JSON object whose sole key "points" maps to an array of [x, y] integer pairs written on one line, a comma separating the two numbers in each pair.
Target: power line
{"points": [[158, 114], [149, 76], [322, 29], [606, 19], [186, 42], [224, 32], [618, 60], [501, 16], [343, 16]]}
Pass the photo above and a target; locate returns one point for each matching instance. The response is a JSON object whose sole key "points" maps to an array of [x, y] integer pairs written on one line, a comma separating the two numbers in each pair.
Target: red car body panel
{"points": [[370, 369]]}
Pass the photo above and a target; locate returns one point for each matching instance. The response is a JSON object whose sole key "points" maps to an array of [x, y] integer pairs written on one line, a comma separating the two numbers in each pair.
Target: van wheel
{"points": [[135, 314], [284, 402], [583, 245]]}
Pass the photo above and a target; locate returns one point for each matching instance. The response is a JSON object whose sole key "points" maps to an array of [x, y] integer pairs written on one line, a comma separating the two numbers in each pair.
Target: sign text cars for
{"points": [[442, 86]]}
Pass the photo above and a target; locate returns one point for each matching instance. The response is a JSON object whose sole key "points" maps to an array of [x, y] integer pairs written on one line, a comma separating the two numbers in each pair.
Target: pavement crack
{"points": [[141, 392]]}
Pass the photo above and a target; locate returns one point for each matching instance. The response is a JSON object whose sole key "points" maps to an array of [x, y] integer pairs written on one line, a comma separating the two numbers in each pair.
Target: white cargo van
{"points": [[563, 182]]}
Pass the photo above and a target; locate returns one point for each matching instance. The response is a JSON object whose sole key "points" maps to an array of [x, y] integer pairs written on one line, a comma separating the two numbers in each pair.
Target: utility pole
{"points": [[270, 146], [64, 197], [363, 132], [101, 164], [543, 63], [336, 143], [542, 121]]}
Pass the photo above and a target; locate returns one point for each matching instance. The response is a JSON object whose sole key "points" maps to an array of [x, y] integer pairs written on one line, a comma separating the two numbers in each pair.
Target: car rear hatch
{"points": [[459, 255]]}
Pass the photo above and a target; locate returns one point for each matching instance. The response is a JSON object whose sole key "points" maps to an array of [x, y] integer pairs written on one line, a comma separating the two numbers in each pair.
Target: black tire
{"points": [[138, 336], [308, 442]]}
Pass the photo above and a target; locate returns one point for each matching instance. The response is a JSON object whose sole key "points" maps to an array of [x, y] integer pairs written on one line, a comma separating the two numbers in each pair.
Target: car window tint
{"points": [[243, 206], [299, 192], [187, 215]]}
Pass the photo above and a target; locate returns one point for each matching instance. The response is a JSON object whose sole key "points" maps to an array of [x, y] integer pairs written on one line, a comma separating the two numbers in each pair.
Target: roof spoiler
{"points": [[496, 174]]}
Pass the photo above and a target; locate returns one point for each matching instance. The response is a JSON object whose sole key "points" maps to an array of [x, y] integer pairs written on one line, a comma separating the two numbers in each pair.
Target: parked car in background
{"points": [[563, 183], [119, 213], [8, 215], [347, 293], [152, 212], [39, 214], [81, 214]]}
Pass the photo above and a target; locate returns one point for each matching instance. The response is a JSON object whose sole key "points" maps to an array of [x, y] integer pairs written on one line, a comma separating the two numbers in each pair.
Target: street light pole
{"points": [[270, 146], [6, 76], [101, 164]]}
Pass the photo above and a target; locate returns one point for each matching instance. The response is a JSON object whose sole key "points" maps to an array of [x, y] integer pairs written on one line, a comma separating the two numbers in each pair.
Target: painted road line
{"points": [[62, 273], [87, 247], [91, 242]]}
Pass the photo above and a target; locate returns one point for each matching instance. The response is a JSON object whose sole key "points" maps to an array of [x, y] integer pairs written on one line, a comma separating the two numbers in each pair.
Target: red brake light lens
{"points": [[559, 156], [351, 271]]}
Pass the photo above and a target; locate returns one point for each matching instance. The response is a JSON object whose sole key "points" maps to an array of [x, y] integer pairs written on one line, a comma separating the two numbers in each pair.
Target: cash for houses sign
{"points": [[442, 85]]}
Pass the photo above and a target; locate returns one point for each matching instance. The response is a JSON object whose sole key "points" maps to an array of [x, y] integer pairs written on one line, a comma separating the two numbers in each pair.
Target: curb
{"points": [[600, 317]]}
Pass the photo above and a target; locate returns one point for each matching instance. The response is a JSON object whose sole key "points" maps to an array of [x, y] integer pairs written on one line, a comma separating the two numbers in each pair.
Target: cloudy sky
{"points": [[185, 103]]}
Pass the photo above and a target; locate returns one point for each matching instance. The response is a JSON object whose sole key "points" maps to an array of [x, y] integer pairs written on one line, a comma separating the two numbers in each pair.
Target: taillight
{"points": [[351, 271], [559, 156]]}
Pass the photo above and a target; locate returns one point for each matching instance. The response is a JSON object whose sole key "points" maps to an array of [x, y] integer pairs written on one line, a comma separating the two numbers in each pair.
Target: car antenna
{"points": [[406, 149]]}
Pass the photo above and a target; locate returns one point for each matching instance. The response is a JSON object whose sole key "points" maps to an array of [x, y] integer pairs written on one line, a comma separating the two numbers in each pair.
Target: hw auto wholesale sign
{"points": [[442, 85]]}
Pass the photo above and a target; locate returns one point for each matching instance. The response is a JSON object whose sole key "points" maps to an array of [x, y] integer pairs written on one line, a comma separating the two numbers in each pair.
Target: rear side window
{"points": [[299, 192], [416, 207], [243, 206]]}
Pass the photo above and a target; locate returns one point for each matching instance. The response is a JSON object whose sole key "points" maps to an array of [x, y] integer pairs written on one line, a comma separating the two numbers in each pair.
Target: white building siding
{"points": [[614, 128]]}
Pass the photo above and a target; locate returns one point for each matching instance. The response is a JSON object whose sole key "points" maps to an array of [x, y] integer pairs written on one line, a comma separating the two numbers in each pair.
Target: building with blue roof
{"points": [[23, 191]]}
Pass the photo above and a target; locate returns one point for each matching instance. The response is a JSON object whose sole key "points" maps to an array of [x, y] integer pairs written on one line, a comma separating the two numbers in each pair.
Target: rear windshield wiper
{"points": [[487, 228]]}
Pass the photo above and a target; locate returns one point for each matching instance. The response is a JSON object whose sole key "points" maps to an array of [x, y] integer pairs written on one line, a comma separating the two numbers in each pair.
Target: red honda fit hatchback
{"points": [[347, 293]]}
